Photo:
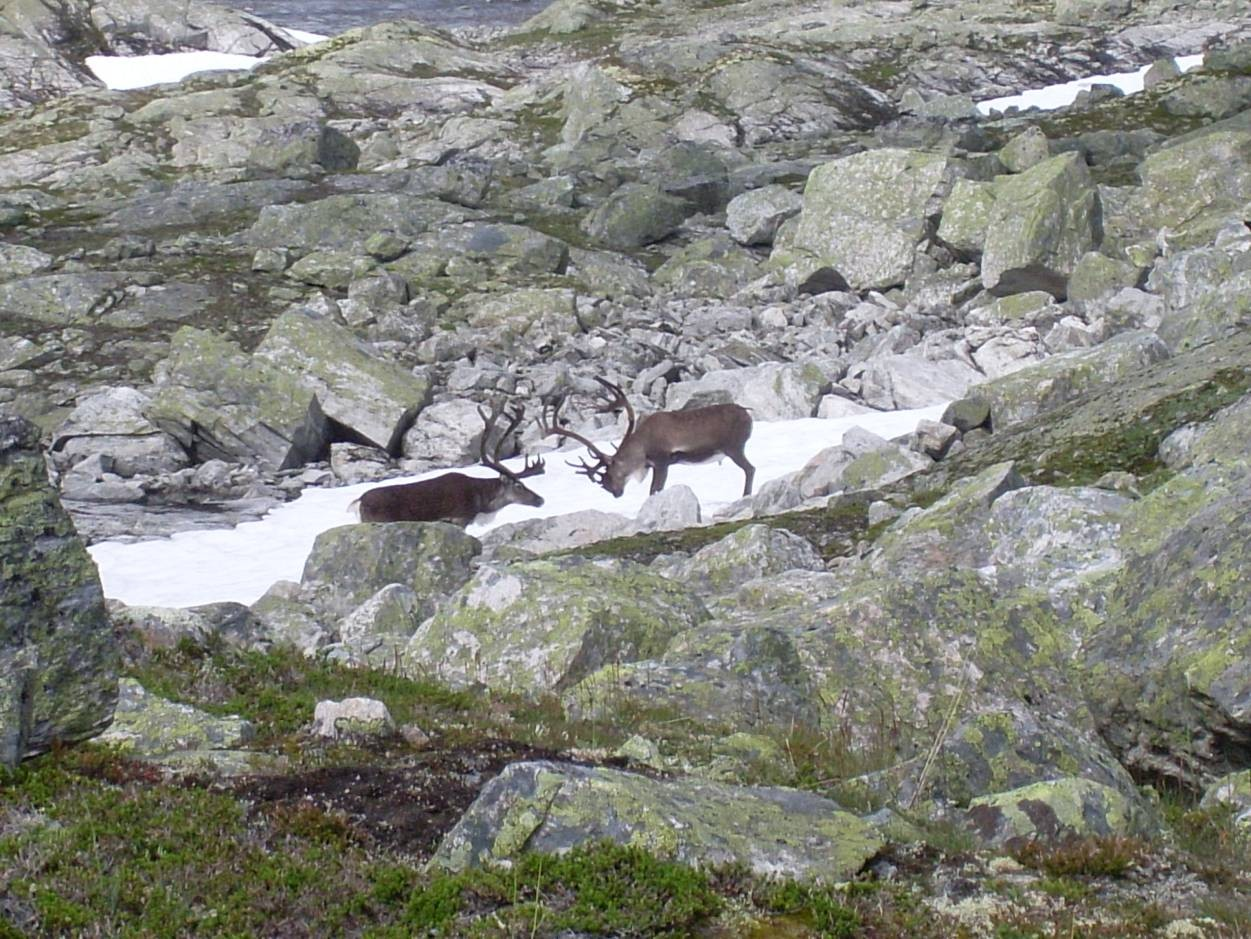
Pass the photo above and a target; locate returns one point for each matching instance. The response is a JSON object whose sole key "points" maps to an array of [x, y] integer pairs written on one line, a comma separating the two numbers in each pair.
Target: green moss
{"points": [[278, 690]]}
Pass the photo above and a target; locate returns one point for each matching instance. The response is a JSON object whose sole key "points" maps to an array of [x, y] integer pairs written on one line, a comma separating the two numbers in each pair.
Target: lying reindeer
{"points": [[662, 439], [455, 497]]}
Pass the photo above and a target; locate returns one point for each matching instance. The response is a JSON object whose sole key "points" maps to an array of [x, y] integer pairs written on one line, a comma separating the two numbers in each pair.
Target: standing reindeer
{"points": [[455, 497], [659, 440]]}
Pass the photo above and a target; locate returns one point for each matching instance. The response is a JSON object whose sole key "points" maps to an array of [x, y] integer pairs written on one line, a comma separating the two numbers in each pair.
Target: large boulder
{"points": [[772, 392], [637, 214], [112, 422], [544, 625], [547, 806], [348, 565], [752, 551], [308, 383], [864, 215], [59, 660], [1041, 223], [1044, 385]]}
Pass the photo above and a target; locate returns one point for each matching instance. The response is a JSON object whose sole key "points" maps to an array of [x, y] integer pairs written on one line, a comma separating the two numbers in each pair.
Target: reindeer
{"points": [[660, 440], [456, 497]]}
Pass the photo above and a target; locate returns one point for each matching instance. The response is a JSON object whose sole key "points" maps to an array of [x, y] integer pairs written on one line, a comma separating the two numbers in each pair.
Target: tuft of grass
{"points": [[278, 689], [820, 905], [1108, 856], [600, 889]]}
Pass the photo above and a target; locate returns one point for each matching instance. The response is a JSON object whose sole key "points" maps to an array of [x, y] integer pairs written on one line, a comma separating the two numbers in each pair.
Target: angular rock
{"points": [[752, 551], [635, 215], [547, 806], [864, 215], [352, 717], [1042, 222], [350, 564], [152, 727], [112, 423], [772, 392], [1047, 384], [1057, 811], [545, 625], [59, 657], [753, 218]]}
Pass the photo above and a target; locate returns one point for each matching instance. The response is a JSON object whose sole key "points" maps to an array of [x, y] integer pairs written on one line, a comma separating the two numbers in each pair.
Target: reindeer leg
{"points": [[660, 472], [749, 471]]}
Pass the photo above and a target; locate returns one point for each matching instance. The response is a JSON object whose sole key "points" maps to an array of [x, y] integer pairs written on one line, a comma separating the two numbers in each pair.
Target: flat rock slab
{"points": [[552, 807]]}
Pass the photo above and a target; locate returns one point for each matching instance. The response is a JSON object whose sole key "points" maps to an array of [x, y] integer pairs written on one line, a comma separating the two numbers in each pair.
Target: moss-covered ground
{"points": [[95, 843]]}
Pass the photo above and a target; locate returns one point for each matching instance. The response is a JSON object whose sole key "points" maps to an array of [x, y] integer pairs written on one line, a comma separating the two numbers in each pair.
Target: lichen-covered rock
{"points": [[275, 405], [377, 630], [112, 422], [1056, 811], [1233, 790], [354, 387], [709, 267], [552, 807], [752, 551], [1027, 149], [774, 391], [1169, 669], [59, 658], [1190, 187], [753, 217], [1206, 291], [966, 217], [352, 717], [883, 465], [152, 727], [557, 532], [545, 625], [637, 214], [540, 316], [1095, 275], [1042, 222], [863, 215], [347, 222], [996, 744], [350, 564], [1040, 387], [206, 626]]}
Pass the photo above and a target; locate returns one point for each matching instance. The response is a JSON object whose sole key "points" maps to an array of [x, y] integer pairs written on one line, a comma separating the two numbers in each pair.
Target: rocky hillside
{"points": [[995, 675]]}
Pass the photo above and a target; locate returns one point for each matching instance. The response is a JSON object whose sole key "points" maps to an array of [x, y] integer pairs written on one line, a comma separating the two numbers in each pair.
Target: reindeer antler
{"points": [[552, 427], [515, 417], [618, 402]]}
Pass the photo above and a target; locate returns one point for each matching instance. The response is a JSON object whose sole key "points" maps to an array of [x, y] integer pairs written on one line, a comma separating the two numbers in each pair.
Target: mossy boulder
{"points": [[151, 727], [751, 552], [1042, 221], [552, 807], [347, 222], [753, 217], [1040, 387], [1206, 291], [1191, 185], [275, 406], [1169, 668], [1056, 811], [545, 625], [349, 565], [59, 658], [966, 217], [635, 215], [864, 215], [726, 673]]}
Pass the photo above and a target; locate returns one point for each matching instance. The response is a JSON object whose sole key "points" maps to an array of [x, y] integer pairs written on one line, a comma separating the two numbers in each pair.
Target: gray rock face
{"points": [[751, 552], [546, 806], [113, 424], [59, 659], [635, 215], [1042, 222], [863, 215], [348, 565], [277, 404], [771, 392], [753, 218], [500, 629]]}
